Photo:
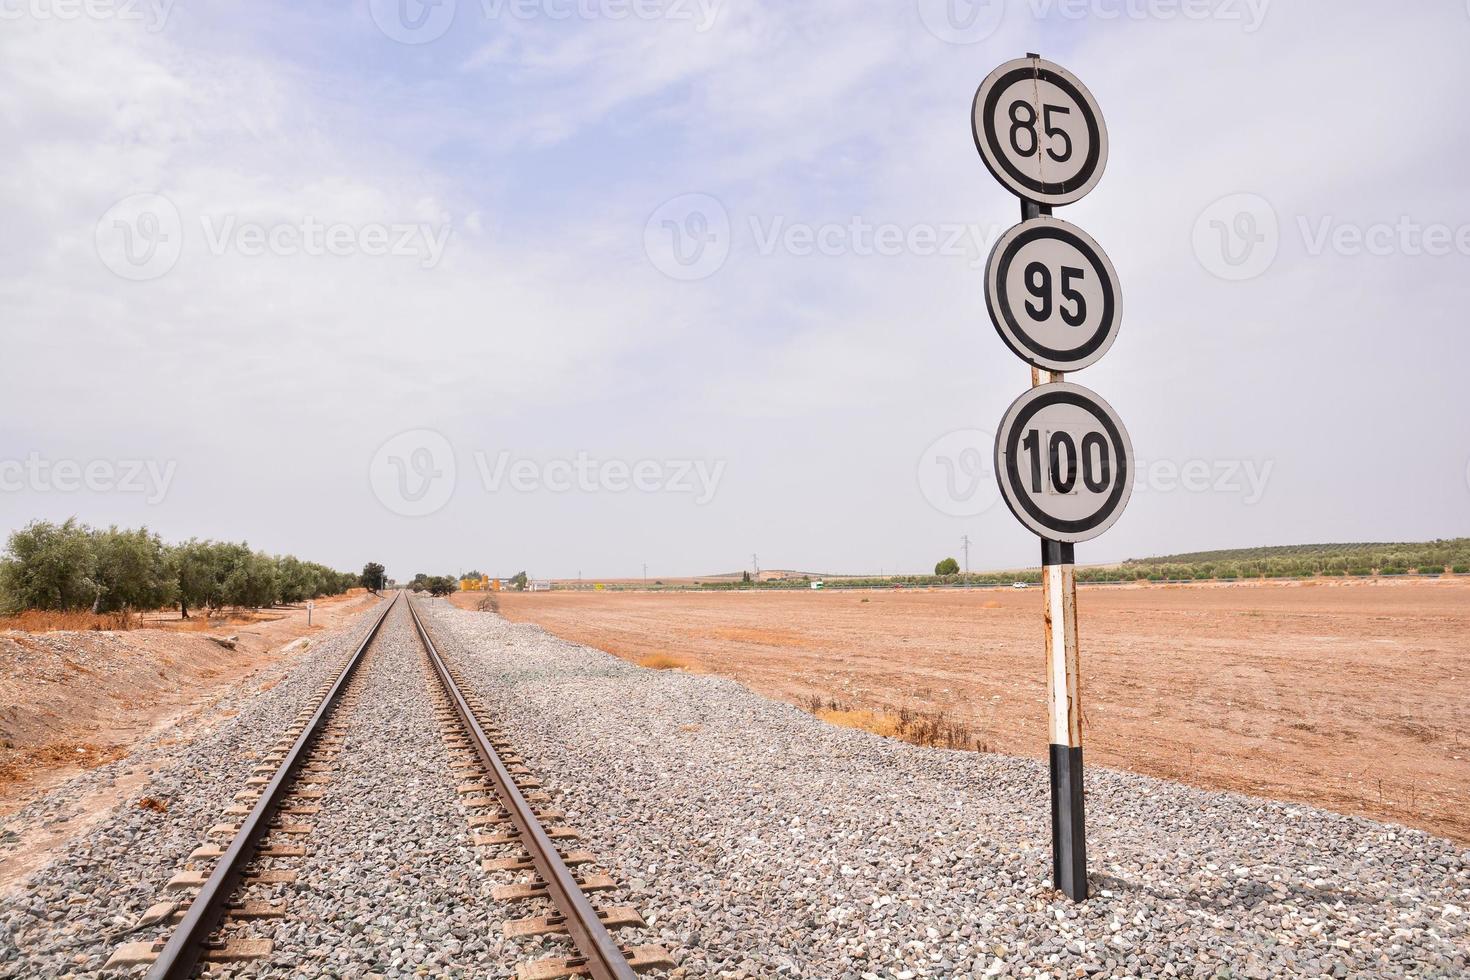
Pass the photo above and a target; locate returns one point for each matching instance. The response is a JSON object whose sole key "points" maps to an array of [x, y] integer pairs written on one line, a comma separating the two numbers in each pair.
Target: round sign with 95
{"points": [[1053, 294]]}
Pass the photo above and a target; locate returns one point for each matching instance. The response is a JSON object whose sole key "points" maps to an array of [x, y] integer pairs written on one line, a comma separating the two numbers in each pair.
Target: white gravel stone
{"points": [[756, 841], [69, 916], [762, 842]]}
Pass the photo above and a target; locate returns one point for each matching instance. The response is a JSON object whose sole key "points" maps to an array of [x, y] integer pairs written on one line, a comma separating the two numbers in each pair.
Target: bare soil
{"points": [[1344, 695], [74, 700]]}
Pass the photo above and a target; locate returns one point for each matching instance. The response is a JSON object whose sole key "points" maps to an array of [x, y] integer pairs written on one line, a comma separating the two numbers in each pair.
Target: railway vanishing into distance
{"points": [[211, 911]]}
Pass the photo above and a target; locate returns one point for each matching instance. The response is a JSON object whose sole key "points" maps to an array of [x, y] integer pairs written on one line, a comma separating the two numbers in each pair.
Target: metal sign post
{"points": [[1062, 457], [1064, 707]]}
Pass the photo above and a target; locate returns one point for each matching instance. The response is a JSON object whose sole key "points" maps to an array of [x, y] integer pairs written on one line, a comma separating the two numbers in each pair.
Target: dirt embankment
{"points": [[73, 700], [1350, 696]]}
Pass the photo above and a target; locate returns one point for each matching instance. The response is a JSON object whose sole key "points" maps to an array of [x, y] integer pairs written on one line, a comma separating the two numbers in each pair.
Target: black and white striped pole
{"points": [[1062, 457]]}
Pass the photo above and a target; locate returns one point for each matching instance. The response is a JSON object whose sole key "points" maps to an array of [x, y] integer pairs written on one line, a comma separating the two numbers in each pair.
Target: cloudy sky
{"points": [[579, 285]]}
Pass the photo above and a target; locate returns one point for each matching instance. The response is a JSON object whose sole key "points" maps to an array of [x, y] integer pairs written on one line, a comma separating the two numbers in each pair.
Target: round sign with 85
{"points": [[1053, 294], [1039, 131], [1064, 462]]}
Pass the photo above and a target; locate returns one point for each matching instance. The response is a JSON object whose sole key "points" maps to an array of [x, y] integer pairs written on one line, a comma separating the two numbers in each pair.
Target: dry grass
{"points": [[46, 621], [932, 727], [194, 624], [43, 621], [867, 721], [490, 603], [17, 763], [663, 661]]}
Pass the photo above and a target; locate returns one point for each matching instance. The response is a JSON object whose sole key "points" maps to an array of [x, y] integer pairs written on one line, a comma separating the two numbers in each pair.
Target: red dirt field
{"points": [[1345, 695]]}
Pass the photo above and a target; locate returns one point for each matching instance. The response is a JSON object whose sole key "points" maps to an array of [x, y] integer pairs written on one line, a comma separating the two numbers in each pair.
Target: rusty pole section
{"points": [[1063, 689], [1064, 704], [604, 959], [190, 941]]}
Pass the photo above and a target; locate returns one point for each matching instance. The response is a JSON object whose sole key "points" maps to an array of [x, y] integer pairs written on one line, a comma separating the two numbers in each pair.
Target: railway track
{"points": [[508, 817]]}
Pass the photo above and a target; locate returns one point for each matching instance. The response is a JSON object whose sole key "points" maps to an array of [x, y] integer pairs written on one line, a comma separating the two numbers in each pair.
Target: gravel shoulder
{"points": [[762, 842]]}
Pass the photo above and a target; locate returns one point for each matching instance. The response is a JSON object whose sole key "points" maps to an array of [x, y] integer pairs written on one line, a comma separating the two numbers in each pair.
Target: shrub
{"points": [[663, 661]]}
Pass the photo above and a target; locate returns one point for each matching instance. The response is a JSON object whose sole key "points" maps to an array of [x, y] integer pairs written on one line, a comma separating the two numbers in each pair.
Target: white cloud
{"points": [[546, 146]]}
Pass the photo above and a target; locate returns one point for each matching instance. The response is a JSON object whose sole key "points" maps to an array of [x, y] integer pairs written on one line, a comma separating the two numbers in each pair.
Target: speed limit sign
{"points": [[1053, 294], [1039, 131], [1064, 462], [1062, 457]]}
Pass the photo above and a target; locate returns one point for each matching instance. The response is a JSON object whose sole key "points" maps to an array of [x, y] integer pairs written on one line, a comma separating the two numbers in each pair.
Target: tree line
{"points": [[437, 585], [1448, 555], [70, 567], [1302, 561]]}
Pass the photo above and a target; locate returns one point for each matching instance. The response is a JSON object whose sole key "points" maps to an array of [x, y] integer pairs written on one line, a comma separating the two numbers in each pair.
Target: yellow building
{"points": [[474, 584]]}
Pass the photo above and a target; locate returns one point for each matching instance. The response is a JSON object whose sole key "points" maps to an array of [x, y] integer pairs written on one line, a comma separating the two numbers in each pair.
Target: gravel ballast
{"points": [[69, 916], [756, 840], [391, 884], [760, 841]]}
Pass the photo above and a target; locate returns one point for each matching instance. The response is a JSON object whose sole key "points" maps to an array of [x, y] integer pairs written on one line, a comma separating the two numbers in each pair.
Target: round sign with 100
{"points": [[1064, 462]]}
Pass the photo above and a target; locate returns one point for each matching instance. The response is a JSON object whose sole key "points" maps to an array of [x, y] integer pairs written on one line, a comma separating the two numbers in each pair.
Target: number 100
{"points": [[1061, 458]]}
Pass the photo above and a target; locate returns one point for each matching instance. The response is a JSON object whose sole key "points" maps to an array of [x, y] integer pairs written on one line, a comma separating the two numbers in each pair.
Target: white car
{"points": [[1018, 585]]}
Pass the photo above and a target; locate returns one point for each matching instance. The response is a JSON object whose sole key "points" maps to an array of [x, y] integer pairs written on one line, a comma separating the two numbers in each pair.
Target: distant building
{"points": [[541, 585]]}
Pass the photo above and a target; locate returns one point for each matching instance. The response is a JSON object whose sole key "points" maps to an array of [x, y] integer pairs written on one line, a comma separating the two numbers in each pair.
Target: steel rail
{"points": [[190, 940], [604, 959]]}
